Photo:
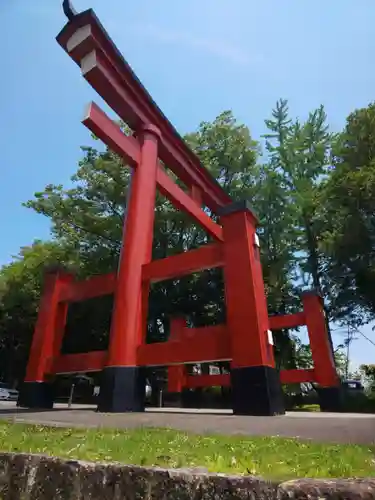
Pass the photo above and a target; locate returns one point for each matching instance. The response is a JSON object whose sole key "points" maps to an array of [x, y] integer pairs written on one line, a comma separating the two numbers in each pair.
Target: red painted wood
{"points": [[196, 194], [93, 361], [48, 328], [176, 378], [95, 286], [178, 328], [111, 76], [196, 345], [287, 321], [176, 373], [111, 134], [324, 364], [130, 299], [219, 380], [59, 328], [247, 316], [223, 380], [183, 201], [181, 264], [129, 149]]}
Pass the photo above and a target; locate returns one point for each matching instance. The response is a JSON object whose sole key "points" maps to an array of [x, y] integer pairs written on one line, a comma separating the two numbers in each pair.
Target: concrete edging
{"points": [[29, 477]]}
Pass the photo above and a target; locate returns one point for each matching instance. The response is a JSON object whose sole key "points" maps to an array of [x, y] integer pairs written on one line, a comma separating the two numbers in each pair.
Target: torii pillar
{"points": [[123, 384], [255, 382]]}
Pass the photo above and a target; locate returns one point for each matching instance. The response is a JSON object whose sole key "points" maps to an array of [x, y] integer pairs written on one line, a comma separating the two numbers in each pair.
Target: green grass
{"points": [[270, 457], [312, 407]]}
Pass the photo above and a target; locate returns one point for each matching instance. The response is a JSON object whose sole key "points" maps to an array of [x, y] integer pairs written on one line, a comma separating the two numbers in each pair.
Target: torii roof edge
{"points": [[68, 9], [132, 102]]}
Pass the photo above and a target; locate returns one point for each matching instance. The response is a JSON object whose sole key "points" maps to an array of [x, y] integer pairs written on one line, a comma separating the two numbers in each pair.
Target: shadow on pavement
{"points": [[18, 410], [193, 411]]}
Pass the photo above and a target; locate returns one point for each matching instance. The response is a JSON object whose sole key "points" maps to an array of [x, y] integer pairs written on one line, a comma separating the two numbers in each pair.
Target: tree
{"points": [[20, 288], [347, 208], [298, 158], [299, 153], [368, 372]]}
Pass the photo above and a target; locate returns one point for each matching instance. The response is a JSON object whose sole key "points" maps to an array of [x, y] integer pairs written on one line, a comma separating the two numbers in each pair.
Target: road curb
{"points": [[27, 477]]}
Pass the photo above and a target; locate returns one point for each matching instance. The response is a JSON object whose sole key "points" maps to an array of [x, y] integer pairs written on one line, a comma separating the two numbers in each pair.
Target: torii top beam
{"points": [[102, 65]]}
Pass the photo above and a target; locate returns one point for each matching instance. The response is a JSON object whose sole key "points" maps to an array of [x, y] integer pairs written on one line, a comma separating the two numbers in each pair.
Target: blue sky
{"points": [[196, 58]]}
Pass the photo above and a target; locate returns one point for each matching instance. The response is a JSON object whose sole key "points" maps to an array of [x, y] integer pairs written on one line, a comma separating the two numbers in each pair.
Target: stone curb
{"points": [[36, 477]]}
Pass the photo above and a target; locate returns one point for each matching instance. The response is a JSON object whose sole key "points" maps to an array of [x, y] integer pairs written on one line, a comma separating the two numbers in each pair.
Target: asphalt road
{"points": [[320, 427]]}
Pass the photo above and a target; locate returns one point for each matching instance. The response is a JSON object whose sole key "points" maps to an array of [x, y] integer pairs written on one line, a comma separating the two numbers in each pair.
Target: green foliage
{"points": [[368, 373], [20, 287], [227, 150], [298, 156], [358, 403], [347, 207], [89, 216]]}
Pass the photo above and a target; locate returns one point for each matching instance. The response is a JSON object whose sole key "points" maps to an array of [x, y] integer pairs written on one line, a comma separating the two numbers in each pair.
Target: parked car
{"points": [[353, 386], [7, 394]]}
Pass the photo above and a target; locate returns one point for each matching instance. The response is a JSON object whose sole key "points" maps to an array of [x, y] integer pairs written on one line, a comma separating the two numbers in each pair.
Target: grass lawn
{"points": [[313, 408], [275, 458]]}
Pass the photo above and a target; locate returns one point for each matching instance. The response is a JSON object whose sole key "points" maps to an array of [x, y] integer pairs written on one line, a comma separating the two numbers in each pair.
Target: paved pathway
{"points": [[321, 427]]}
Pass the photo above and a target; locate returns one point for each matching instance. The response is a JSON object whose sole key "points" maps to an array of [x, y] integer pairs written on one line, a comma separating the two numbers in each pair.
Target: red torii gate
{"points": [[245, 340]]}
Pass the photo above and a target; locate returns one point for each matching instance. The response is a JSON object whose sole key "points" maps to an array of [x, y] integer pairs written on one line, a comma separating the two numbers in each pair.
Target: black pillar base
{"points": [[256, 390], [122, 390], [330, 399], [38, 395]]}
